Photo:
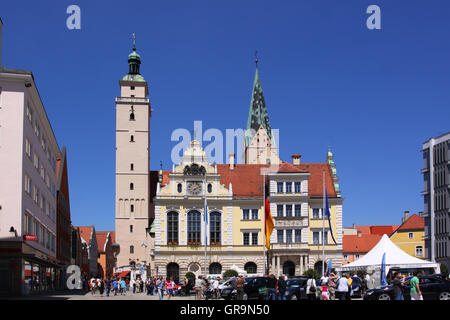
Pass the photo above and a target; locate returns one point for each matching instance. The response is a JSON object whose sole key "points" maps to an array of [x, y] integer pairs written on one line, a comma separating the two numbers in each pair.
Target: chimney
{"points": [[405, 217], [296, 159], [231, 157], [1, 25]]}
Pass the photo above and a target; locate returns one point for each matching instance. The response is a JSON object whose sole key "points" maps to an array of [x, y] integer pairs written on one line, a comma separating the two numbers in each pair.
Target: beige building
{"points": [[133, 208]]}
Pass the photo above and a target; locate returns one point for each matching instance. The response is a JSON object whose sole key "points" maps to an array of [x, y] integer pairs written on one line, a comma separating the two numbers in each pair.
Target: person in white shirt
{"points": [[324, 279], [342, 288], [215, 286]]}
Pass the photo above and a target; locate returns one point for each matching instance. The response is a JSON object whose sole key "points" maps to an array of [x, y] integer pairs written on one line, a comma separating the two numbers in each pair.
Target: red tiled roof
{"points": [[248, 183], [414, 222], [246, 179], [102, 236], [378, 230], [113, 237], [359, 244], [315, 181], [85, 233]]}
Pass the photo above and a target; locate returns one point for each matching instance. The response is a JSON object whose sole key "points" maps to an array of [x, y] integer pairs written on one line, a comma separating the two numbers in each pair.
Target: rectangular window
{"points": [[44, 205], [325, 237], [298, 235], [28, 148], [254, 238], [27, 184], [357, 257], [288, 236], [245, 214], [419, 251], [42, 233], [36, 161], [280, 236], [279, 210], [246, 238], [298, 210], [316, 213], [289, 210], [316, 238], [297, 187], [29, 113], [288, 187], [410, 235], [131, 228], [345, 257], [280, 187], [254, 214], [37, 129], [132, 208]]}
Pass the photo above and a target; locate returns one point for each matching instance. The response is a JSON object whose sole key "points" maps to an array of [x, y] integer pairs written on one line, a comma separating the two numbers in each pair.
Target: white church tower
{"points": [[133, 114]]}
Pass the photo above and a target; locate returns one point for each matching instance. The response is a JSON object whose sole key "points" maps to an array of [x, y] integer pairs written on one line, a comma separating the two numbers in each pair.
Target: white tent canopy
{"points": [[395, 258]]}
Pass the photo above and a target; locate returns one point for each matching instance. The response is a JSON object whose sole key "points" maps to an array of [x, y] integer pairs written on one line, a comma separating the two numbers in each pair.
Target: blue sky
{"points": [[373, 95]]}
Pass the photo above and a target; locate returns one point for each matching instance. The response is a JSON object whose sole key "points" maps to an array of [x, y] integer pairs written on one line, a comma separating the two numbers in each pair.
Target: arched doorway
{"points": [[173, 270], [215, 268], [289, 268], [250, 267], [318, 267]]}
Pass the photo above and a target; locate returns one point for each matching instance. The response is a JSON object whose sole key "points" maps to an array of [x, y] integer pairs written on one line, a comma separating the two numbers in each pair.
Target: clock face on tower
{"points": [[194, 187]]}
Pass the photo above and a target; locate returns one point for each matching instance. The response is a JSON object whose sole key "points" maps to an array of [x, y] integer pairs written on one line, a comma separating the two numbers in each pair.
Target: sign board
{"points": [[29, 237]]}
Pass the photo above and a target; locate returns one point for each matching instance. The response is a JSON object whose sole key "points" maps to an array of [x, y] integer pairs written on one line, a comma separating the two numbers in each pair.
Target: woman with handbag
{"points": [[311, 288]]}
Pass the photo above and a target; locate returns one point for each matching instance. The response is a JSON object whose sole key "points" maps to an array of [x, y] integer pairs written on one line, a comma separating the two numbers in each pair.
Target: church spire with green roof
{"points": [[134, 63], [257, 115]]}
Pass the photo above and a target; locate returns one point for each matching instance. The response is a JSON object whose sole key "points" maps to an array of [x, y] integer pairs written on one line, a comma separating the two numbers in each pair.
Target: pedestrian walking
{"points": [[271, 293], [281, 285], [350, 290], [324, 279], [123, 287], [311, 288], [169, 287], [342, 288], [331, 284], [397, 284], [198, 285], [160, 287], [101, 287], [108, 286], [415, 292], [115, 285], [133, 285], [239, 286]]}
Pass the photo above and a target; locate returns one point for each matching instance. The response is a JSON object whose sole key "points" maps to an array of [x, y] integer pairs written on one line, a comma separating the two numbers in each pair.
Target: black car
{"points": [[254, 288], [433, 287], [296, 288]]}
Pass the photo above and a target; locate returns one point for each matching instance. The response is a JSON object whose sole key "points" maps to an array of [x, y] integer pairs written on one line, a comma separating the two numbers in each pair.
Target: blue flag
{"points": [[383, 270], [329, 267], [327, 212]]}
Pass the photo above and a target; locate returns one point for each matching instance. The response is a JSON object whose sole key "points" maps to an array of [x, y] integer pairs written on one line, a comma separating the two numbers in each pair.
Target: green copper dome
{"points": [[134, 55], [134, 63]]}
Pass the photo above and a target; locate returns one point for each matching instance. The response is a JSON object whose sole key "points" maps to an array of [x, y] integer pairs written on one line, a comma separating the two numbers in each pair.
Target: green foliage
{"points": [[190, 275], [311, 272], [444, 269], [230, 274]]}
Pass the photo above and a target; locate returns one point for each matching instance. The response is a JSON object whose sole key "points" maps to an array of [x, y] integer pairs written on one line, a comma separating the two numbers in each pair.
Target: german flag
{"points": [[269, 223]]}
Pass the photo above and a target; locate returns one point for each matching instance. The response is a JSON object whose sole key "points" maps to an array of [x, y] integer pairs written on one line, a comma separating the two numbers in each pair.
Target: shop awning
{"points": [[123, 274]]}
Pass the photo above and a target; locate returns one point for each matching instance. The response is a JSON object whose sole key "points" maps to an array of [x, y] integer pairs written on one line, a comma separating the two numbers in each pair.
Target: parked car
{"points": [[296, 288], [227, 283], [433, 287], [254, 288], [356, 287]]}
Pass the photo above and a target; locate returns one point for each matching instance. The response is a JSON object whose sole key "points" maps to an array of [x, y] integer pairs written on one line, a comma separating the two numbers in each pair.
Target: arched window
{"points": [[132, 138], [209, 188], [131, 249], [131, 186], [131, 228], [194, 226], [132, 113], [250, 267], [132, 208], [179, 188], [132, 167], [215, 268], [214, 227], [172, 227]]}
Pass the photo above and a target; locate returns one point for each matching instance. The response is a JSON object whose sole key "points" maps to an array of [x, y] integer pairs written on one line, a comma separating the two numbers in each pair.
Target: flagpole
{"points": [[264, 210], [323, 226], [206, 223]]}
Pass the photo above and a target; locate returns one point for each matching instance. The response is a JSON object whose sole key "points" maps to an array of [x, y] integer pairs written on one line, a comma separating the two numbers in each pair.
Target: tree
{"points": [[190, 275], [230, 274], [444, 269], [311, 272]]}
